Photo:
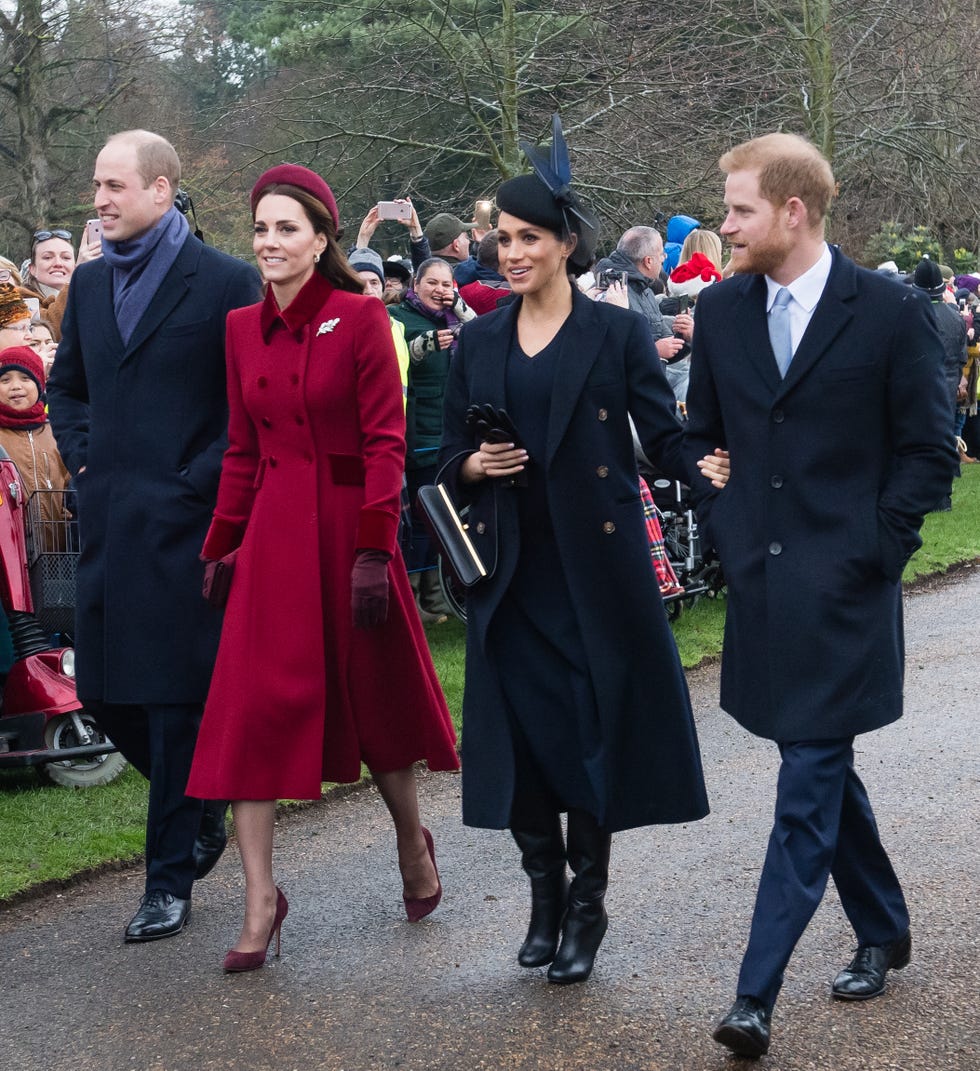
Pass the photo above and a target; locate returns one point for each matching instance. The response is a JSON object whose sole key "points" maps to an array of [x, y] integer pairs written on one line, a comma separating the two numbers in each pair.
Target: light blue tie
{"points": [[780, 334]]}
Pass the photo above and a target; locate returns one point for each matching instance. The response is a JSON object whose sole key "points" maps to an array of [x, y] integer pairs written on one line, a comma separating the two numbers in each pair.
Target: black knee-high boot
{"points": [[585, 921], [543, 859]]}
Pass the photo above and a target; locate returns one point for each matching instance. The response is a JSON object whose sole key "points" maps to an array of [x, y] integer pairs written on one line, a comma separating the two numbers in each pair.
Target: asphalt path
{"points": [[359, 989]]}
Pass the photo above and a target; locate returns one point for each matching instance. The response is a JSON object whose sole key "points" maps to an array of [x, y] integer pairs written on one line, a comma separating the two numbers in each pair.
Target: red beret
{"points": [[24, 359], [302, 178]]}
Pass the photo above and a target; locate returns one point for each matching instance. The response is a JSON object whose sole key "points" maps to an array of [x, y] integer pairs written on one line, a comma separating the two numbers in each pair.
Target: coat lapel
{"points": [[172, 290], [489, 382], [833, 313], [750, 330], [105, 314], [582, 339]]}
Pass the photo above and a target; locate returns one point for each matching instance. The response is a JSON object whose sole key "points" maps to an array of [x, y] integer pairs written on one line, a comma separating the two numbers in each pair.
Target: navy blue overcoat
{"points": [[607, 368], [833, 468], [148, 422]]}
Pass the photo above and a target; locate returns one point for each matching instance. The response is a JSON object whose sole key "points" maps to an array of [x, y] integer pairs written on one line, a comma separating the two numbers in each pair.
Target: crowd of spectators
{"points": [[450, 275]]}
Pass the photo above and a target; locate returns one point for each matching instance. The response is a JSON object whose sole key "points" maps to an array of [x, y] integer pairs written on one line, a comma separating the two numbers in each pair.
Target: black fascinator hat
{"points": [[546, 198]]}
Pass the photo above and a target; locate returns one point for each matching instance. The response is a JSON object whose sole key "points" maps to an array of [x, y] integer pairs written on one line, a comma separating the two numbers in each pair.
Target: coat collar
{"points": [[834, 311], [300, 311], [584, 334]]}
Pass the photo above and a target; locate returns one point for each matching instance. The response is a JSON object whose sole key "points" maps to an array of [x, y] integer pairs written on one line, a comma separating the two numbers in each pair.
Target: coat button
{"points": [[602, 471], [266, 422], [263, 382], [778, 416], [481, 527], [273, 462], [609, 528], [299, 420], [603, 414], [775, 481], [775, 548], [294, 379]]}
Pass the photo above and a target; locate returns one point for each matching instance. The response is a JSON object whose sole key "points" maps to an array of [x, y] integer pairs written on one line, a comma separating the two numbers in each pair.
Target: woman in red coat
{"points": [[320, 629]]}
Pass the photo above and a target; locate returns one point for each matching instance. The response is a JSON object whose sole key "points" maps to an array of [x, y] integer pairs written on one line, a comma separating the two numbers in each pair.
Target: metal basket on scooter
{"points": [[52, 557]]}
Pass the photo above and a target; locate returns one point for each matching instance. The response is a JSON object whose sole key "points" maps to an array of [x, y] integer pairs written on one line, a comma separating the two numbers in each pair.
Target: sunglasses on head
{"points": [[43, 236]]}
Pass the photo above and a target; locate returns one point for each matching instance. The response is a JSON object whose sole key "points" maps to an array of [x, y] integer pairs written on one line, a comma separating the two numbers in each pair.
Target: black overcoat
{"points": [[148, 422], [833, 468], [607, 368]]}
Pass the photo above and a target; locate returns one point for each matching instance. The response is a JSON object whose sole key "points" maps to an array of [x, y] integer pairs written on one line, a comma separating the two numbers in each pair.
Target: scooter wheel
{"points": [[85, 772]]}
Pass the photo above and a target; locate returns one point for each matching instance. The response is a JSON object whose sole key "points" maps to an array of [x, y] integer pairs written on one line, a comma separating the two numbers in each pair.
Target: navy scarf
{"points": [[139, 265]]}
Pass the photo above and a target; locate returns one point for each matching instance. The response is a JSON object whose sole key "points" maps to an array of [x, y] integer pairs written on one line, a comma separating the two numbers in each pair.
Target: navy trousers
{"points": [[159, 740], [824, 827]]}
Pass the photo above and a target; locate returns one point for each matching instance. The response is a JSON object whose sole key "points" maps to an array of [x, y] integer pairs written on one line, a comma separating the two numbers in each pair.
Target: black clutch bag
{"points": [[450, 533]]}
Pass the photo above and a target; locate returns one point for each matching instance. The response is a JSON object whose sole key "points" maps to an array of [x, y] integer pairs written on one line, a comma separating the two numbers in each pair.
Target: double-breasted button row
{"points": [[608, 527], [603, 414], [480, 527], [775, 548], [778, 416], [776, 481], [602, 471]]}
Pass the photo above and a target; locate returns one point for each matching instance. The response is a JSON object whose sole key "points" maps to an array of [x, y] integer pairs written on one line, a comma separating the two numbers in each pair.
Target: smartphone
{"points": [[394, 210], [608, 277], [93, 231], [34, 304], [481, 216], [683, 302]]}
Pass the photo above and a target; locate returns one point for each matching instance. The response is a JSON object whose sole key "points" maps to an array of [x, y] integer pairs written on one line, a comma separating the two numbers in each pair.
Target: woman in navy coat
{"points": [[575, 699]]}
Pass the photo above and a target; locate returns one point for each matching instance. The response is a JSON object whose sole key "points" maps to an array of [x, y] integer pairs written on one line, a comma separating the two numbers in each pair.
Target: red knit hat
{"points": [[23, 359], [302, 178]]}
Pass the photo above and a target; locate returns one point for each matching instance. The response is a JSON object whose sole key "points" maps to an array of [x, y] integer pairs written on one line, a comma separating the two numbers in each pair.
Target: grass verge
{"points": [[50, 834]]}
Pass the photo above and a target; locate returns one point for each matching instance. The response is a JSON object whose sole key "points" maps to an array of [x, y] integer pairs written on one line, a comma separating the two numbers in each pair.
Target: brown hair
{"points": [[155, 156], [788, 166], [332, 265]]}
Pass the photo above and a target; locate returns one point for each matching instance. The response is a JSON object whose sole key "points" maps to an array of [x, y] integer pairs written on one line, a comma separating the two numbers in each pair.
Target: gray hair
{"points": [[639, 242]]}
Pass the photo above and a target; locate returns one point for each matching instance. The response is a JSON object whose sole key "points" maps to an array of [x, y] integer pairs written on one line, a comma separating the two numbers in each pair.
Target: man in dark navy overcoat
{"points": [[824, 383], [138, 406]]}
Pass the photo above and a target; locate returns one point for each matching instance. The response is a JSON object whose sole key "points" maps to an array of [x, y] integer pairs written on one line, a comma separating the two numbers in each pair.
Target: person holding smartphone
{"points": [[431, 312]]}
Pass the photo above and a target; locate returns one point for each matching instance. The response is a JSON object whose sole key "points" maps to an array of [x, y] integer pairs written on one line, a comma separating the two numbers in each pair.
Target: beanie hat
{"points": [[365, 259], [12, 307], [303, 179], [444, 228], [395, 267], [967, 282], [23, 359], [929, 277], [693, 275]]}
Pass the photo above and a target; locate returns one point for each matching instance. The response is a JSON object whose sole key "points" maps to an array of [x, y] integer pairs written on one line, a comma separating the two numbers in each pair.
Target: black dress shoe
{"points": [[745, 1029], [161, 914], [212, 836], [864, 977]]}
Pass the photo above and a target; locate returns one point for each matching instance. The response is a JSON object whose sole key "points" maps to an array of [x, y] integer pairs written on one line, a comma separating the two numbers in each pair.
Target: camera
{"points": [[608, 277]]}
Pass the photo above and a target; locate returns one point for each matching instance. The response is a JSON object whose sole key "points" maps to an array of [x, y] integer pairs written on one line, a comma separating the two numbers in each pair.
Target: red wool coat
{"points": [[313, 471]]}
